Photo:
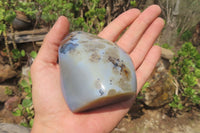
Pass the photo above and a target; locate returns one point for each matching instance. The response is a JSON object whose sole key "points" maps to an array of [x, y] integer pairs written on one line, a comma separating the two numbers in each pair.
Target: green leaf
{"points": [[139, 97], [186, 36], [29, 95], [10, 16], [20, 106], [27, 103], [28, 110], [197, 72], [2, 28], [167, 46], [176, 99], [146, 85], [16, 53], [17, 112], [33, 54], [23, 53], [180, 106], [189, 91], [190, 80], [27, 89], [31, 122], [196, 99], [2, 12], [8, 91], [24, 124], [173, 105], [173, 71], [30, 80], [133, 3], [24, 83], [198, 63]]}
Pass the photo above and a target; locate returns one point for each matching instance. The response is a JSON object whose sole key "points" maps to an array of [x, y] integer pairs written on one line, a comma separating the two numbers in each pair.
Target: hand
{"points": [[51, 111]]}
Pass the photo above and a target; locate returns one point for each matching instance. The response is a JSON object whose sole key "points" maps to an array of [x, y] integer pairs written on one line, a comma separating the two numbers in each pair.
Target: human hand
{"points": [[51, 111]]}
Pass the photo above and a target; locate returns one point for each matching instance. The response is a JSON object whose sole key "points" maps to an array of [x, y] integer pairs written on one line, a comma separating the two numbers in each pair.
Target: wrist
{"points": [[40, 126]]}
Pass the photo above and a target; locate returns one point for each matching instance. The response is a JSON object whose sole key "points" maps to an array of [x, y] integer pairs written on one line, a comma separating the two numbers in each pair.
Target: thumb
{"points": [[48, 53]]}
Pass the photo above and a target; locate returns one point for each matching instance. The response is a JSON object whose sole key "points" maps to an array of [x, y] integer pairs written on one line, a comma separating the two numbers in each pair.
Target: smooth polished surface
{"points": [[94, 72]]}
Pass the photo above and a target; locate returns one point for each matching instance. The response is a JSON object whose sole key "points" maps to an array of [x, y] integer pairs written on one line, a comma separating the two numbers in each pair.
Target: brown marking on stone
{"points": [[112, 52], [112, 92], [66, 39], [124, 84], [95, 57], [120, 67], [126, 73], [93, 47], [106, 100]]}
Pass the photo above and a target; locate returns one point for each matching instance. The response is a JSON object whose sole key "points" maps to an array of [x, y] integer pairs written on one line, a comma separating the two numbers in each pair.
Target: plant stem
{"points": [[7, 48], [13, 37]]}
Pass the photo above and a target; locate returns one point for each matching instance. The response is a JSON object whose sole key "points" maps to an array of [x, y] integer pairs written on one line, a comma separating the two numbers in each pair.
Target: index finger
{"points": [[113, 30], [49, 51]]}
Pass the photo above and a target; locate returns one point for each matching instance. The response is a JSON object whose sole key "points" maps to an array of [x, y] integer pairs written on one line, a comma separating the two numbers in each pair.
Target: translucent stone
{"points": [[94, 72]]}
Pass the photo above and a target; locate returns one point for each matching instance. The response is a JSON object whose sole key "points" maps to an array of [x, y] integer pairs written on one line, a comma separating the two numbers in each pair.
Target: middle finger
{"points": [[130, 38]]}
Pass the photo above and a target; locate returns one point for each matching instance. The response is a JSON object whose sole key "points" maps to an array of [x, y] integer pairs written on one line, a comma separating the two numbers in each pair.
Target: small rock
{"points": [[21, 22], [3, 54], [1, 60], [13, 128], [162, 87], [12, 103], [25, 75], [26, 71], [167, 54], [196, 35], [6, 116], [120, 130], [3, 95], [6, 72]]}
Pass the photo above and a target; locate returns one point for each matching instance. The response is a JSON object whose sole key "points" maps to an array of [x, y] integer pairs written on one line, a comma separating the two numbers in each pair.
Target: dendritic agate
{"points": [[94, 72]]}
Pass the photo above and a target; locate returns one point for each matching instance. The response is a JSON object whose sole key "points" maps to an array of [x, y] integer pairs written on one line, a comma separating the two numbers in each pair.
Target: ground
{"points": [[156, 121]]}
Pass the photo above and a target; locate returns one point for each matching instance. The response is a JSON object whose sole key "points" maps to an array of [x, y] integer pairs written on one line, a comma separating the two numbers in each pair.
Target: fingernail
{"points": [[58, 20]]}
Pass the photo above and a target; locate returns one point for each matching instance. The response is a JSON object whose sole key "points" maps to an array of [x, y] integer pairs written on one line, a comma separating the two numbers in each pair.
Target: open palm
{"points": [[51, 111]]}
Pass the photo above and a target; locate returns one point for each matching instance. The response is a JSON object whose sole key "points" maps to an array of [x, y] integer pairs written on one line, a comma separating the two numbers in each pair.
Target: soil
{"points": [[156, 121]]}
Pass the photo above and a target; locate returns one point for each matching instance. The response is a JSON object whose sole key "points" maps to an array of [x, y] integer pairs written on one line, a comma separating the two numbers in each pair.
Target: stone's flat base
{"points": [[106, 101]]}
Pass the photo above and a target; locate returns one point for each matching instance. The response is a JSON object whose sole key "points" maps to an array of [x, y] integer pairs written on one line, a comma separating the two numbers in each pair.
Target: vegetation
{"points": [[186, 69], [87, 17], [8, 91], [143, 90], [26, 107], [7, 15]]}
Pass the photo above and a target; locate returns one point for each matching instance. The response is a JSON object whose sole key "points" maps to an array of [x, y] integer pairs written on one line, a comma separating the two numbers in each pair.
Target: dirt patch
{"points": [[155, 121]]}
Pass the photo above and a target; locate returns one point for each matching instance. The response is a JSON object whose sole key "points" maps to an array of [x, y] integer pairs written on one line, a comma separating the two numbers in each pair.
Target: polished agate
{"points": [[94, 72]]}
